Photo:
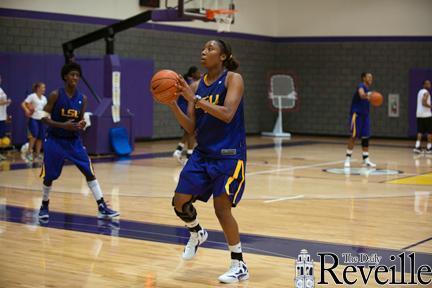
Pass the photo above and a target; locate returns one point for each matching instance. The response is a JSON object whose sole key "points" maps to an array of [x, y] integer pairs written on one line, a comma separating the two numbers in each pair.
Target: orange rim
{"points": [[211, 14]]}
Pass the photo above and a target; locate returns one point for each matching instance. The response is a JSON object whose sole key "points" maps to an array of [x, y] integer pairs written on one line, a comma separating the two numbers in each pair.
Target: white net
{"points": [[282, 92], [223, 21]]}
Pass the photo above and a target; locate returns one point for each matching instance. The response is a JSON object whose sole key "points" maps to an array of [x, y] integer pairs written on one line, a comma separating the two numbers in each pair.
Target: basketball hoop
{"points": [[223, 17], [283, 97]]}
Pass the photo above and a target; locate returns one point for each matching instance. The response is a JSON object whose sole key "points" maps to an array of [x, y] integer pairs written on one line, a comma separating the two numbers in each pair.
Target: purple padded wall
{"points": [[136, 76], [96, 137], [20, 71]]}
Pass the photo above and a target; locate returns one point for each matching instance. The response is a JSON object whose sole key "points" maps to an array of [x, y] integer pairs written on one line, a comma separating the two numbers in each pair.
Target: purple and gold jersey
{"points": [[359, 105], [215, 138], [66, 109]]}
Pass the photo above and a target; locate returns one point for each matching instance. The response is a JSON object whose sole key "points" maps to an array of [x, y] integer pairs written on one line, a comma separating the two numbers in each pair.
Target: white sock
{"points": [[429, 146], [235, 248], [365, 155], [46, 191], [192, 224], [95, 188], [417, 144], [348, 153], [190, 151]]}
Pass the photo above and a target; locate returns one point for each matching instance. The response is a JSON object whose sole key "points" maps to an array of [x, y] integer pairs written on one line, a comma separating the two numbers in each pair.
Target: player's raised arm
{"points": [[363, 93], [186, 121]]}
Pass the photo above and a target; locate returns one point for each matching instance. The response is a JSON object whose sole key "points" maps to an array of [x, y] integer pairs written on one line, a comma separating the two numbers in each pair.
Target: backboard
{"points": [[197, 9]]}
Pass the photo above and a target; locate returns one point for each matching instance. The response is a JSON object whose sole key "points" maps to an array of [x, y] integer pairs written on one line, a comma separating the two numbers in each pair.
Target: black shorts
{"points": [[424, 125]]}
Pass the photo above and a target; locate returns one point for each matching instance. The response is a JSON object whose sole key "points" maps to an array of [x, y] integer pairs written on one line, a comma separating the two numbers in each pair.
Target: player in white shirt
{"points": [[33, 107], [4, 102], [424, 117]]}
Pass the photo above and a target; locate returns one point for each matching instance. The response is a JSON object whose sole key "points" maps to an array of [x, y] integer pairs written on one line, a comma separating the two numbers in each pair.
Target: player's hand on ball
{"points": [[172, 104], [71, 126], [184, 89], [82, 124]]}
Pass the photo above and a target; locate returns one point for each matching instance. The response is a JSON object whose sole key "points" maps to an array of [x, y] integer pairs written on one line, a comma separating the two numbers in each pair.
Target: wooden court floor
{"points": [[291, 201]]}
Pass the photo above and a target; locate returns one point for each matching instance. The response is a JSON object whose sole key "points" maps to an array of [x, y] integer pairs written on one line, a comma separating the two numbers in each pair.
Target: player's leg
{"points": [[365, 135], [39, 139], [77, 154], [33, 133], [38, 148], [180, 147], [51, 170], [420, 132], [2, 134], [429, 136], [429, 144], [417, 147], [238, 270], [228, 190], [351, 140], [184, 209], [193, 184], [190, 141]]}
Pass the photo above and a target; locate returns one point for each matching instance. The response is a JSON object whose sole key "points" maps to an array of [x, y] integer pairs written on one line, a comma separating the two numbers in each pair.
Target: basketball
{"points": [[376, 99], [5, 141], [31, 108], [163, 86]]}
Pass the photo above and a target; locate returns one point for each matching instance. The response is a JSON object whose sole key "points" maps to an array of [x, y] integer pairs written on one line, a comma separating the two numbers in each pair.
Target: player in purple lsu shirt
{"points": [[359, 120]]}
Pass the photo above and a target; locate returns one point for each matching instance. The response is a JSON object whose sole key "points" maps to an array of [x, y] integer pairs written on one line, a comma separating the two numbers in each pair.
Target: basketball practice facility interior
{"points": [[306, 218]]}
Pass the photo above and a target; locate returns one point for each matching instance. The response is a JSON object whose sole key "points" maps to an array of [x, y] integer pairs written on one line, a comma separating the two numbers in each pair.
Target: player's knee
{"points": [[187, 211], [90, 178], [47, 182], [180, 199], [365, 142]]}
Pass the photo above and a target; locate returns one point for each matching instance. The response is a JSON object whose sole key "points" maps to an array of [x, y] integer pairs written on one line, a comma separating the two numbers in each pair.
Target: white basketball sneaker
{"points": [[237, 272], [417, 150], [195, 240], [178, 156], [368, 163]]}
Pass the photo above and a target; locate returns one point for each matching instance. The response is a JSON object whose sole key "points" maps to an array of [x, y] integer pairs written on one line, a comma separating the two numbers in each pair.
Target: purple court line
{"points": [[252, 243], [16, 13], [20, 166]]}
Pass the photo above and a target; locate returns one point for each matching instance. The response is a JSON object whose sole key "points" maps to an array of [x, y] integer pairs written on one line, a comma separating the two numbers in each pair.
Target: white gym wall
{"points": [[282, 18]]}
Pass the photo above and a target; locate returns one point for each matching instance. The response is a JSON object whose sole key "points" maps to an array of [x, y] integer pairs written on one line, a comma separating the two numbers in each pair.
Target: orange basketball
{"points": [[163, 86], [376, 99], [31, 108]]}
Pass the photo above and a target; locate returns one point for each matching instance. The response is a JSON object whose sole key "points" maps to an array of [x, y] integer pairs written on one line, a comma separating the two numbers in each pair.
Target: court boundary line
{"points": [[417, 244], [294, 168], [12, 218]]}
